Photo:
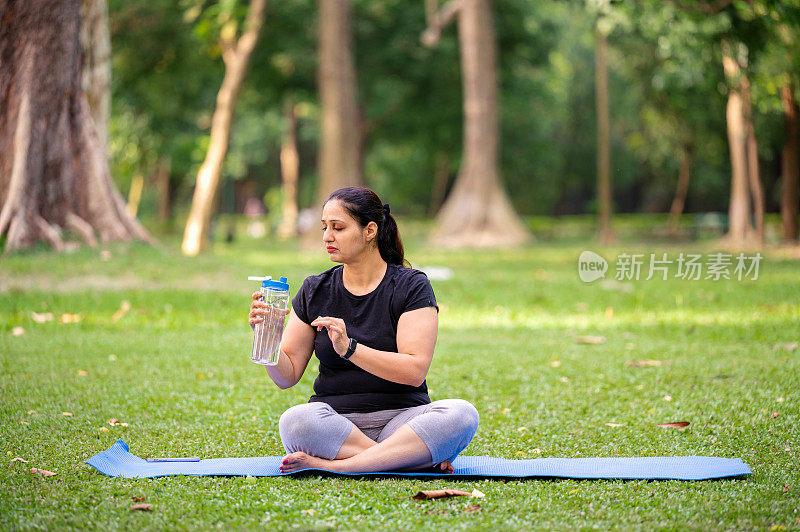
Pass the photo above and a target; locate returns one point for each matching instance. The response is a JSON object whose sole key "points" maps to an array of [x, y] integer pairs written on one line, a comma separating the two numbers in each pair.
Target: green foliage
{"points": [[666, 85]]}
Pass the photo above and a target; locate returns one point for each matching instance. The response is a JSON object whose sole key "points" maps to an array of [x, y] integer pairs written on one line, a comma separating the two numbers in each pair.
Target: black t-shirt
{"points": [[372, 320]]}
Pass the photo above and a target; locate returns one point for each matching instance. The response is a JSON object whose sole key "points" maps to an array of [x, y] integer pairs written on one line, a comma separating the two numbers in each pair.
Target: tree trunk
{"points": [[96, 60], [679, 201], [236, 58], [604, 200], [290, 173], [790, 171], [53, 173], [753, 173], [740, 230], [163, 178], [135, 194], [340, 143], [477, 212], [441, 175]]}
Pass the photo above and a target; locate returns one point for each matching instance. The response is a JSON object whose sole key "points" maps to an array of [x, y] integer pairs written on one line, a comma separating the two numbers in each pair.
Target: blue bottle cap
{"points": [[281, 284]]}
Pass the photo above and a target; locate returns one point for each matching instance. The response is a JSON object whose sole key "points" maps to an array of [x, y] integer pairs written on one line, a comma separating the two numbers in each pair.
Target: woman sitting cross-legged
{"points": [[372, 323]]}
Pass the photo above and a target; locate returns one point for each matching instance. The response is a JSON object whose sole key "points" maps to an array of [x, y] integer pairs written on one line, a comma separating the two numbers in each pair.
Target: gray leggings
{"points": [[446, 426]]}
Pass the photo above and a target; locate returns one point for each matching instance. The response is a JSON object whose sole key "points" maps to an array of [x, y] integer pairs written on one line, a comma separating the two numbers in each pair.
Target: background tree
{"points": [[236, 55], [55, 173], [477, 212], [340, 129]]}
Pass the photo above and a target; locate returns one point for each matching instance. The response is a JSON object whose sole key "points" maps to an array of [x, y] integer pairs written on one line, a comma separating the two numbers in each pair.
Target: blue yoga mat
{"points": [[117, 461]]}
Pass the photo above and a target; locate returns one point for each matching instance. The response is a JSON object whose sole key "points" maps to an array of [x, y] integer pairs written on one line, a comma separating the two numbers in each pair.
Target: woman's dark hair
{"points": [[365, 206]]}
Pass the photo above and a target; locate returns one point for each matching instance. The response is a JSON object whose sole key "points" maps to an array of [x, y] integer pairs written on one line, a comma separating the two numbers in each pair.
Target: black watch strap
{"points": [[351, 349]]}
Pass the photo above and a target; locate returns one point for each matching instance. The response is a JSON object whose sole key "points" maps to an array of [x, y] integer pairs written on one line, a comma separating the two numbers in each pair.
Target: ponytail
{"points": [[365, 206]]}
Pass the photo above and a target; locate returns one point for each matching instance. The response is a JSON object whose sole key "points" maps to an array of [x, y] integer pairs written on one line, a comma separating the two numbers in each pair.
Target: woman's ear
{"points": [[371, 231]]}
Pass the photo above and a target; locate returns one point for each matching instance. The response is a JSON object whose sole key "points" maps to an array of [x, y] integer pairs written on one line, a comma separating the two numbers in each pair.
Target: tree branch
{"points": [[437, 20], [704, 7]]}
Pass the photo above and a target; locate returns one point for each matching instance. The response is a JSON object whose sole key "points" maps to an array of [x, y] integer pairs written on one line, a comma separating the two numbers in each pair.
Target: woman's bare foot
{"points": [[299, 460], [445, 467]]}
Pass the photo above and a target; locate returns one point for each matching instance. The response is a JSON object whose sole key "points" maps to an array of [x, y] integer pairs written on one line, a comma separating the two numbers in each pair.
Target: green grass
{"points": [[176, 369]]}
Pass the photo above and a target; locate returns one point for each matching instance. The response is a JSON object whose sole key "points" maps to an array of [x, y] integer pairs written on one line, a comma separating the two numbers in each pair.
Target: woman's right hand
{"points": [[258, 310]]}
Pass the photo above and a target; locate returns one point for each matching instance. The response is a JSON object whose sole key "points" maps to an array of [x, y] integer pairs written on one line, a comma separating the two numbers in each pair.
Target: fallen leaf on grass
{"points": [[17, 459], [774, 415], [114, 422], [790, 346], [82, 373], [138, 499], [103, 429], [143, 507], [590, 339], [71, 318], [647, 363], [124, 308], [680, 425], [42, 318], [310, 511], [474, 508], [439, 494], [477, 493], [786, 488], [18, 331], [43, 472], [67, 414]]}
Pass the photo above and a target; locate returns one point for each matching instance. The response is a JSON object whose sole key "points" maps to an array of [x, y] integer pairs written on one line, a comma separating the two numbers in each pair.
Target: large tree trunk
{"points": [[790, 171], [604, 200], [340, 143], [53, 172], [96, 59], [477, 212], [740, 230], [236, 58], [290, 173], [679, 201]]}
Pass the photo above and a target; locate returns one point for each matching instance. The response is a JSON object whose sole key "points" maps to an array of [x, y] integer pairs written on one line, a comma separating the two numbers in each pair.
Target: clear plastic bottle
{"points": [[268, 332]]}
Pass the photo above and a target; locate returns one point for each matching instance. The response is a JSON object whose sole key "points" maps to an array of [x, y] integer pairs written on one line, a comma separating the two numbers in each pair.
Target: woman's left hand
{"points": [[337, 332]]}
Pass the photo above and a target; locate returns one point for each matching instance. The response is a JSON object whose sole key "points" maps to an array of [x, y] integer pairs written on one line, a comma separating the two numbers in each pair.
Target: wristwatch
{"points": [[351, 349]]}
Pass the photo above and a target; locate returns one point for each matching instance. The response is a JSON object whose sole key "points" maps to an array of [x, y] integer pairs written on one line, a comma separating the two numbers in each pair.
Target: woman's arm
{"points": [[416, 338], [297, 344]]}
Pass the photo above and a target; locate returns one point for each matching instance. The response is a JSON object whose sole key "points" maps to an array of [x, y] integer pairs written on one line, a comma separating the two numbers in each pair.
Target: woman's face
{"points": [[343, 238]]}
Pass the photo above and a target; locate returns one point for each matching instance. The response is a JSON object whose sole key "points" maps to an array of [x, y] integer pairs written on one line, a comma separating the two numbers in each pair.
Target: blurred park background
{"points": [[484, 116], [171, 148]]}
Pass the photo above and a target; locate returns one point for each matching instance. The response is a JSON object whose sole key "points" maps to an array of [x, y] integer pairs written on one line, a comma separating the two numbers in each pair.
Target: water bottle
{"points": [[268, 332]]}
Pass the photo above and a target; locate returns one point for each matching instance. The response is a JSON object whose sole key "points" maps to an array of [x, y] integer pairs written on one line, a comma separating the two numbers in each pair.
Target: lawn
{"points": [[175, 369]]}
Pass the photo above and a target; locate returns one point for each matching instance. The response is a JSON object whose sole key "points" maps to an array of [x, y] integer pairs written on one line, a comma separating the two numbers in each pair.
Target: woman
{"points": [[372, 323]]}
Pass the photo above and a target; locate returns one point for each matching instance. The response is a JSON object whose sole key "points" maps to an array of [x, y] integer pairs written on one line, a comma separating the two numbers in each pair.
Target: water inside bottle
{"points": [[268, 333]]}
